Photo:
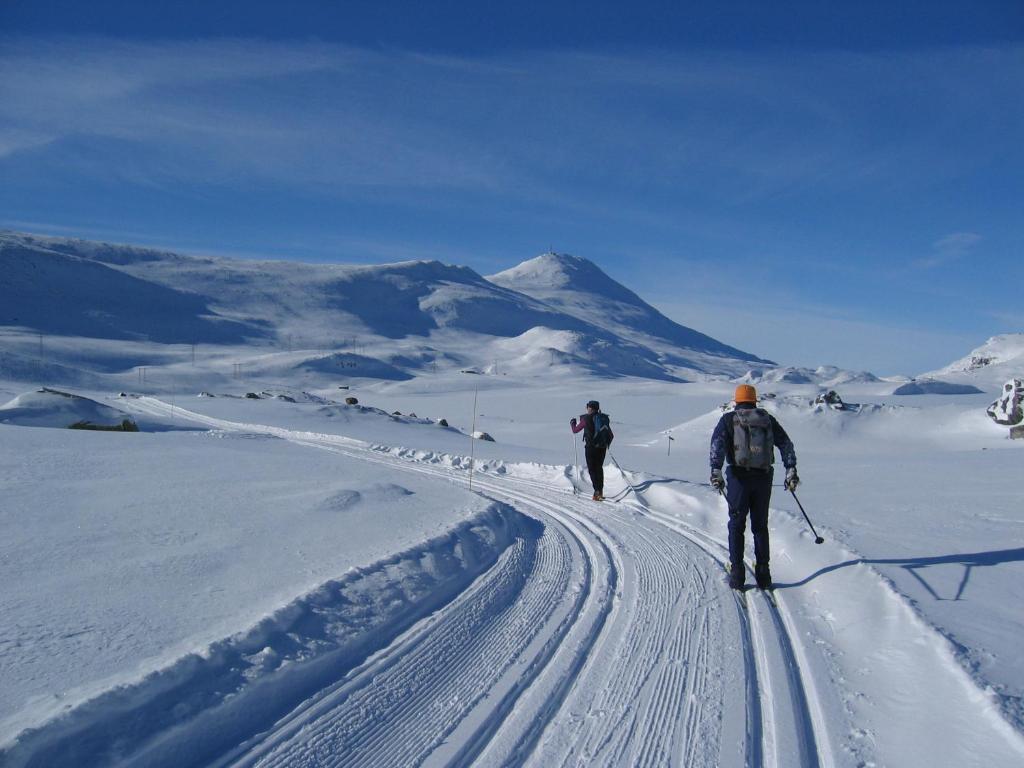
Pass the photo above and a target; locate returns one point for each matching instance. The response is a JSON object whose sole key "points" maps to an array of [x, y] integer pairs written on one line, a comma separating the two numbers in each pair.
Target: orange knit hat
{"points": [[745, 394]]}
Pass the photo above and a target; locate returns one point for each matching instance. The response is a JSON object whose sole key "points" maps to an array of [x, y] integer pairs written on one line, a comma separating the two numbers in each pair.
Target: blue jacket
{"points": [[722, 448]]}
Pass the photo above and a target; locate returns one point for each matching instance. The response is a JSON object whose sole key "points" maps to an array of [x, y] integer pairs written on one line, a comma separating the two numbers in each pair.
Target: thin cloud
{"points": [[949, 249], [552, 126]]}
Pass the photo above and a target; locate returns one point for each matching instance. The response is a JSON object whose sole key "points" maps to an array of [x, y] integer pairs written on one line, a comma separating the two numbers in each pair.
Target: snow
{"points": [[394, 315], [53, 408], [988, 366], [822, 376], [144, 555], [932, 387], [288, 579], [579, 288]]}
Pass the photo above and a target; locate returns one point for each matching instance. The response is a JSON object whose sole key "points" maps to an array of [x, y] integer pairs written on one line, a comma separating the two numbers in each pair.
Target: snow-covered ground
{"points": [[166, 585], [304, 557]]}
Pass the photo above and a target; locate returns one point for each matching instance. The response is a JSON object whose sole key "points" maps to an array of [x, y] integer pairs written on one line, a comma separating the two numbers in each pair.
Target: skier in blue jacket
{"points": [[746, 438]]}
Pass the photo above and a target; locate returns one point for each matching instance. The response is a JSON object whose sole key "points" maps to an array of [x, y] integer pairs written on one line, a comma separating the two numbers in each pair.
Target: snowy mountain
{"points": [[407, 316], [988, 366], [63, 293], [579, 288]]}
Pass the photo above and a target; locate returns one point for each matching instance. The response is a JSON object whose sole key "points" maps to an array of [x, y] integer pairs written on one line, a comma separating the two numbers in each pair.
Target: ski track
{"points": [[607, 641]]}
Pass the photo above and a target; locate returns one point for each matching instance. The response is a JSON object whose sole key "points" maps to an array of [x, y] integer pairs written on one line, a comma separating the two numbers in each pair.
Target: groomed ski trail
{"points": [[652, 665], [653, 668]]}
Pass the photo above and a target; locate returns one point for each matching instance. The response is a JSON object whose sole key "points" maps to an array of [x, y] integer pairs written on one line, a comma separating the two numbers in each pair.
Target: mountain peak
{"points": [[580, 288], [562, 270]]}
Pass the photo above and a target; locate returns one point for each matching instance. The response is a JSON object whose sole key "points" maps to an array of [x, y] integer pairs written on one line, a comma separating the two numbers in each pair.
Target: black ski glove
{"points": [[572, 422], [717, 480], [792, 479]]}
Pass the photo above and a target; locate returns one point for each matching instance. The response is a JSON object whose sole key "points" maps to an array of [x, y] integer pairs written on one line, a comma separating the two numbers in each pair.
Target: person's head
{"points": [[593, 406], [745, 394]]}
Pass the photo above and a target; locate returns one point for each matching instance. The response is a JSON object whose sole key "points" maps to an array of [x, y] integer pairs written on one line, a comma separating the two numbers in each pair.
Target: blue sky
{"points": [[811, 185]]}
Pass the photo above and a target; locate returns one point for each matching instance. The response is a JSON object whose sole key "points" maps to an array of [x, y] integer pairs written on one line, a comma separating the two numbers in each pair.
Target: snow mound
{"points": [[545, 351], [53, 408], [935, 387]]}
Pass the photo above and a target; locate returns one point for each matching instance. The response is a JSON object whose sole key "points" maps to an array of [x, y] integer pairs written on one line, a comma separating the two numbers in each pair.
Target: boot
{"points": [[763, 576], [737, 576]]}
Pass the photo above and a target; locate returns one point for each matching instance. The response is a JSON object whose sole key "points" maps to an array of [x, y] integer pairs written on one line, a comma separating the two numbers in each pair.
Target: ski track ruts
{"points": [[397, 735], [637, 690], [399, 714], [649, 692], [515, 738], [795, 730], [599, 554], [600, 605], [768, 630], [324, 749]]}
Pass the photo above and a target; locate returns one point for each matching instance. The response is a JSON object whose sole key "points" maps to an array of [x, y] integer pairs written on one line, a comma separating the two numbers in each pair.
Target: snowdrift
{"points": [[53, 408]]}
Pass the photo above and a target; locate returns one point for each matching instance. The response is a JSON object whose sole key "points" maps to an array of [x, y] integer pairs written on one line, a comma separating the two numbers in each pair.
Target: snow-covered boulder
{"points": [[1008, 410], [483, 436], [830, 399]]}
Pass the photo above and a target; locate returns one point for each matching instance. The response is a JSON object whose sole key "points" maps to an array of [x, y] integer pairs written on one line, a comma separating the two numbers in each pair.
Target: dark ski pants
{"points": [[595, 466], [749, 491]]}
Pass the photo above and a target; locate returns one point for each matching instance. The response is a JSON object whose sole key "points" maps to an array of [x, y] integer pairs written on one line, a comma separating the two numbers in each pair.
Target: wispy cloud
{"points": [[544, 126], [948, 249]]}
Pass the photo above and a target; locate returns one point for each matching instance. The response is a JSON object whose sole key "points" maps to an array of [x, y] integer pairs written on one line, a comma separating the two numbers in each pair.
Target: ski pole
{"points": [[625, 479], [817, 538], [575, 464]]}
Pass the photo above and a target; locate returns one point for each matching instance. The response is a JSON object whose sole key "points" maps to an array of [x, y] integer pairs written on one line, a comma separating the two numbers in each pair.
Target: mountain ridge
{"points": [[422, 311]]}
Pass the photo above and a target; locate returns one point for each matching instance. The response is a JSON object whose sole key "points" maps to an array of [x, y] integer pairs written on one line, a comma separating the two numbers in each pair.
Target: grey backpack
{"points": [[753, 440]]}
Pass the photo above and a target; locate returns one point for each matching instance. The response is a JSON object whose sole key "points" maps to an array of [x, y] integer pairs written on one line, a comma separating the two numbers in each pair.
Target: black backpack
{"points": [[602, 431]]}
